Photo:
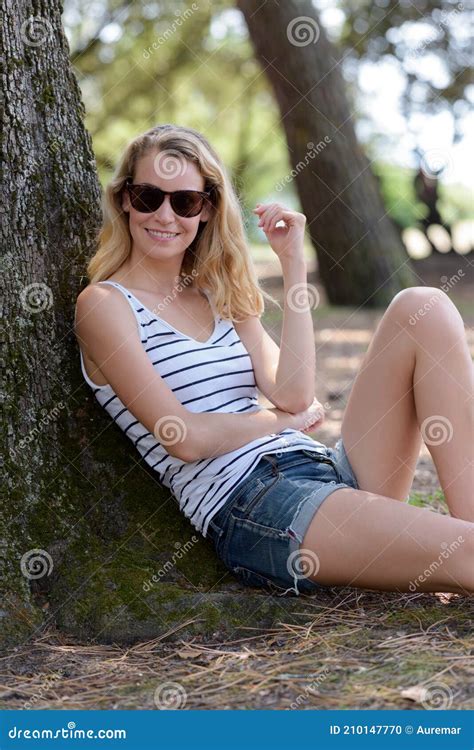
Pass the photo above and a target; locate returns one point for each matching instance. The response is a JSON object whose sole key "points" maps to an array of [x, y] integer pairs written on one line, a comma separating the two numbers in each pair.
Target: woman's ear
{"points": [[206, 212], [125, 201]]}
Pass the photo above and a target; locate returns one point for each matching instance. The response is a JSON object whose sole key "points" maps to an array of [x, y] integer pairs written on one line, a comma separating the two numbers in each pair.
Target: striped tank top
{"points": [[211, 376]]}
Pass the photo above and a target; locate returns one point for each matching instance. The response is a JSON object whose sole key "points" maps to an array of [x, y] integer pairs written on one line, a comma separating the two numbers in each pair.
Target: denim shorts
{"points": [[258, 532]]}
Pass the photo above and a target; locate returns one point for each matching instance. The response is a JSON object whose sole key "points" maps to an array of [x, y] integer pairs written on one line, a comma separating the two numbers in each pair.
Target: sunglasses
{"points": [[146, 199]]}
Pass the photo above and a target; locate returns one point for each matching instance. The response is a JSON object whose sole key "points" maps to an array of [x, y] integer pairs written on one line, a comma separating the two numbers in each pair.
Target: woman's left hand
{"points": [[287, 242]]}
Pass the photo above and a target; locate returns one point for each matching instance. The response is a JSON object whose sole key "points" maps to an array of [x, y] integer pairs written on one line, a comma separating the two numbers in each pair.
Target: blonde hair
{"points": [[218, 258]]}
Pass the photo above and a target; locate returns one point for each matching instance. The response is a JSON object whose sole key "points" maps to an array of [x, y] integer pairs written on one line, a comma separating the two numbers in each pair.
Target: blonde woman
{"points": [[174, 350]]}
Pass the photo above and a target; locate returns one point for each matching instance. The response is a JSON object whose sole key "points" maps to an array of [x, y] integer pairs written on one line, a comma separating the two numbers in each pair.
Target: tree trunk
{"points": [[84, 526], [361, 258]]}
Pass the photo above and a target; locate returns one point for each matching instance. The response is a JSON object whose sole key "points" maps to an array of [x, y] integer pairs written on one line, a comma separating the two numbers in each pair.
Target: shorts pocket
{"points": [[317, 456], [324, 459], [252, 495], [295, 458]]}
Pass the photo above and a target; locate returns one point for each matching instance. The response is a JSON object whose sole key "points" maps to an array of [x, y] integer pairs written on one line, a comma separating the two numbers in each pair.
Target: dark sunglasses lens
{"points": [[186, 203], [146, 200]]}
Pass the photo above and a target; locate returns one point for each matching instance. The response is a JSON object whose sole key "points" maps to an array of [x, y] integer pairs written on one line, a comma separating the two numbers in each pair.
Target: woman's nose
{"points": [[165, 212]]}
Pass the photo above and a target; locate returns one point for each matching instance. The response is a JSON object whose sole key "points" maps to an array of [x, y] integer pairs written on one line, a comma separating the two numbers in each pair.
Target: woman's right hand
{"points": [[310, 418]]}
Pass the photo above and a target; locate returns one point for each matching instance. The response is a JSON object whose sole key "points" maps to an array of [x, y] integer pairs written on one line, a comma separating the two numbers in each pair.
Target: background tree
{"points": [[360, 255], [143, 63]]}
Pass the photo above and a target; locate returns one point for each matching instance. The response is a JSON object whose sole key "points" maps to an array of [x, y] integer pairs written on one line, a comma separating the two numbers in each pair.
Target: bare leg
{"points": [[365, 540], [417, 375]]}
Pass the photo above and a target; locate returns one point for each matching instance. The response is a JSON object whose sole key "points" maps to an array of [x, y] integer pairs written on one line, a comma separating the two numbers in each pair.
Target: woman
{"points": [[173, 348]]}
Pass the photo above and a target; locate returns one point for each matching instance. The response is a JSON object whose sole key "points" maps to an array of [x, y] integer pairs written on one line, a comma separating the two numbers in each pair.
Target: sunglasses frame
{"points": [[205, 195]]}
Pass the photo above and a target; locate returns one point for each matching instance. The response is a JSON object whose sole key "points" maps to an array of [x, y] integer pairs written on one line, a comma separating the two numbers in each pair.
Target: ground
{"points": [[343, 648]]}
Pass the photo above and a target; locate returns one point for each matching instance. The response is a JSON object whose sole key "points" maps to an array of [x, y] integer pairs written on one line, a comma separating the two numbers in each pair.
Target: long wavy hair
{"points": [[218, 259]]}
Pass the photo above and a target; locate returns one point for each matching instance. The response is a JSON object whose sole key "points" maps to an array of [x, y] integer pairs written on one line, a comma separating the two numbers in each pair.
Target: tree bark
{"points": [[361, 258], [50, 209], [83, 524]]}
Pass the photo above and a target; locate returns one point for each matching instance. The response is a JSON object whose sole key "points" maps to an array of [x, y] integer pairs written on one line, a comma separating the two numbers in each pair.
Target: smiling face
{"points": [[164, 234]]}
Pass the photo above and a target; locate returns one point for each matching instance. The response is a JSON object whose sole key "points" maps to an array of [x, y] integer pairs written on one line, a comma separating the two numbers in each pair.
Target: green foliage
{"points": [[396, 184], [413, 36], [143, 64]]}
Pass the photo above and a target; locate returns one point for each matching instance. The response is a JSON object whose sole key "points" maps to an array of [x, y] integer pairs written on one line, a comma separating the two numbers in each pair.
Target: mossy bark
{"points": [[74, 488], [50, 210], [361, 258]]}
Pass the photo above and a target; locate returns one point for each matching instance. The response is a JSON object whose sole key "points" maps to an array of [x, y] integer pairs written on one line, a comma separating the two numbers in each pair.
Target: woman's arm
{"points": [[214, 434], [296, 371], [285, 376]]}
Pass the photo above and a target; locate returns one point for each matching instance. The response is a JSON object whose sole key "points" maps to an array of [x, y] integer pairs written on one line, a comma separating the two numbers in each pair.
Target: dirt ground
{"points": [[345, 648]]}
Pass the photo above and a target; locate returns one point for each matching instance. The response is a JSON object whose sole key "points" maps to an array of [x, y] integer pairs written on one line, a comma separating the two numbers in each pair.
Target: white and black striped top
{"points": [[211, 376]]}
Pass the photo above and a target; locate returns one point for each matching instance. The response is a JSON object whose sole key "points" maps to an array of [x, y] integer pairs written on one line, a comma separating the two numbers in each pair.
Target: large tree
{"points": [[88, 539], [361, 257]]}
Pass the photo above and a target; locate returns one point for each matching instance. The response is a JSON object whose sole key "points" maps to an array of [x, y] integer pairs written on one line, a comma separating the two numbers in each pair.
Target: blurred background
{"points": [[406, 77], [406, 69]]}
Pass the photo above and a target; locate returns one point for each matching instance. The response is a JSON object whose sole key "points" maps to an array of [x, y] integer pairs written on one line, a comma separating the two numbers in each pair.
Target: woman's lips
{"points": [[162, 236]]}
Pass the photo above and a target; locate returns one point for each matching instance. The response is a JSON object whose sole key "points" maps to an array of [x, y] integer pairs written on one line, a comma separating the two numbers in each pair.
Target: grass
{"points": [[435, 501]]}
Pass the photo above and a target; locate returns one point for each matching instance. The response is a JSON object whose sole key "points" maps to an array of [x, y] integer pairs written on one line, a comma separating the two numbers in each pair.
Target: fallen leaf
{"points": [[187, 653], [417, 693]]}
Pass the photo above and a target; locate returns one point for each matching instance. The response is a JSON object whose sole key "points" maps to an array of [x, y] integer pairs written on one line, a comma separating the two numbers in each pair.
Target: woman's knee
{"points": [[423, 306]]}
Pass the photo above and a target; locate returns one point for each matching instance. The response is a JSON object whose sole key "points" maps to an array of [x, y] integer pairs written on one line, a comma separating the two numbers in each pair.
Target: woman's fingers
{"points": [[266, 213], [272, 214], [271, 219]]}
